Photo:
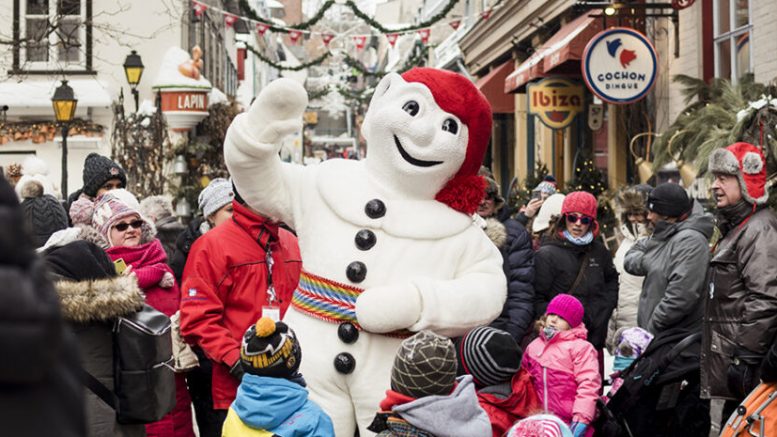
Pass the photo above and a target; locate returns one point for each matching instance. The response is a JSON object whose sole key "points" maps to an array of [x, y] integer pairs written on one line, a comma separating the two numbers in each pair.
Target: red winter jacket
{"points": [[224, 289], [149, 264], [505, 411]]}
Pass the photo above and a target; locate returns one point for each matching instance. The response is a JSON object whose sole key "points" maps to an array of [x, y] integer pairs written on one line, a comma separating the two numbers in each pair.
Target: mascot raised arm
{"points": [[388, 243]]}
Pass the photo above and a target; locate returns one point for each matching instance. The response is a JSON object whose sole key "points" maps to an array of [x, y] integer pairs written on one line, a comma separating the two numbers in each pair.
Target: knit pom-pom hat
{"points": [[747, 163], [457, 95], [568, 308], [270, 348]]}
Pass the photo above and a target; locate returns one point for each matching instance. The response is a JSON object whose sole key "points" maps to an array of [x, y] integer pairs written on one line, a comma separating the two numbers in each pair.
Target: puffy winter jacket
{"points": [[674, 262], [565, 374], [91, 308], [514, 242], [225, 287], [266, 406], [507, 403], [740, 320], [556, 266], [629, 289]]}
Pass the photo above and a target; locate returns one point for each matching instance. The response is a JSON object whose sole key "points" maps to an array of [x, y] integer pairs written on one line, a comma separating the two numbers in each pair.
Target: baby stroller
{"points": [[660, 392]]}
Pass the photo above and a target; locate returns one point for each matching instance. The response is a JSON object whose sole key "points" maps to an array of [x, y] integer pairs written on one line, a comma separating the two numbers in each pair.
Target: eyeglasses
{"points": [[121, 227], [574, 218]]}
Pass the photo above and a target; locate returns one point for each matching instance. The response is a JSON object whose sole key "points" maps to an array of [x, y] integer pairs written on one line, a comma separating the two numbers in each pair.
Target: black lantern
{"points": [[133, 69], [64, 103]]}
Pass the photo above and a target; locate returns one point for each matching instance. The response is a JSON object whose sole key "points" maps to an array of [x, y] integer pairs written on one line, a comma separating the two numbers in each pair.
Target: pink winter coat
{"points": [[148, 263], [565, 374]]}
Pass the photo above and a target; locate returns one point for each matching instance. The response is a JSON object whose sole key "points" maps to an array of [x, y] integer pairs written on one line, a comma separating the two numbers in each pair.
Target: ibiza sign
{"points": [[620, 65], [555, 101]]}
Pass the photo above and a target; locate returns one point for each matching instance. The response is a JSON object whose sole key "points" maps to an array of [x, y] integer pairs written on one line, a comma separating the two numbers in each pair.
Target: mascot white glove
{"points": [[388, 308]]}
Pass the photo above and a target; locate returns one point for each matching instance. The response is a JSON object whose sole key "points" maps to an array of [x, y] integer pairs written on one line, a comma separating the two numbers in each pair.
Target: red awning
{"points": [[566, 45], [492, 86]]}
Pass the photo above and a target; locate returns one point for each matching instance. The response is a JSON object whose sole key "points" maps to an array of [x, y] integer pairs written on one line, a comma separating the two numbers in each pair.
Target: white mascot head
{"points": [[428, 131]]}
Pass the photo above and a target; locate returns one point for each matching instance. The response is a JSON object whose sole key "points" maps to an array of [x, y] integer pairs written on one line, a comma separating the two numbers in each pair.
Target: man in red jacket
{"points": [[236, 272]]}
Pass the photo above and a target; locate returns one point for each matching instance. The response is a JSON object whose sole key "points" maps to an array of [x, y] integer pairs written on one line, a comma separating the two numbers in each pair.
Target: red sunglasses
{"points": [[574, 218]]}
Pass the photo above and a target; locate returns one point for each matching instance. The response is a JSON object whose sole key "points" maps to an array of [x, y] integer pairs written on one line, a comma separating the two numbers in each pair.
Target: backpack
{"points": [[756, 415], [143, 376]]}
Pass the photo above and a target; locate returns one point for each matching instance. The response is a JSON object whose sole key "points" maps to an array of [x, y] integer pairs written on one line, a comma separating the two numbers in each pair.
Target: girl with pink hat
{"points": [[564, 366]]}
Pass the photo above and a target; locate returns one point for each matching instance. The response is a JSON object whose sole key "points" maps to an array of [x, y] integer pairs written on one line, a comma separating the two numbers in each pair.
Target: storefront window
{"points": [[732, 38]]}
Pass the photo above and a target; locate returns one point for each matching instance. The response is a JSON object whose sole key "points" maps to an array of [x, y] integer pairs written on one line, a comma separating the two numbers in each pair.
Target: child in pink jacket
{"points": [[564, 366]]}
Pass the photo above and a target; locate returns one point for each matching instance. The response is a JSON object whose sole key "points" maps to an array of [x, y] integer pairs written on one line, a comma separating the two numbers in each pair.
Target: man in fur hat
{"points": [[740, 318], [388, 243]]}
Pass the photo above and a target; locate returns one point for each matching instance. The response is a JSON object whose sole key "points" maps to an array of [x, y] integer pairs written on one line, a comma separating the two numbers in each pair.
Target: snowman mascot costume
{"points": [[388, 243]]}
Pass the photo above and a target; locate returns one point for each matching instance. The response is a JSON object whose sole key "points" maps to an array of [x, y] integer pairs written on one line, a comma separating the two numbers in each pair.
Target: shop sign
{"points": [[192, 101], [555, 101], [620, 65]]}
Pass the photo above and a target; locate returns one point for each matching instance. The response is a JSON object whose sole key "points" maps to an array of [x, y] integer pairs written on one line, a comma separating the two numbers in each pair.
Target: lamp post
{"points": [[64, 103], [133, 69]]}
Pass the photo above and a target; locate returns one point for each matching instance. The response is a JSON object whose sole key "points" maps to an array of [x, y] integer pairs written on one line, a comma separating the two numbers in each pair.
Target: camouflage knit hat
{"points": [[425, 365]]}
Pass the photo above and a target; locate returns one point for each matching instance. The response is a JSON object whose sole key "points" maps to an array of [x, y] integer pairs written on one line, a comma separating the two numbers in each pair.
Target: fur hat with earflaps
{"points": [[747, 163]]}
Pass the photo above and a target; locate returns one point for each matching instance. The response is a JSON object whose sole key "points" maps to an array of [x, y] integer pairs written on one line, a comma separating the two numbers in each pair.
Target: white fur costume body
{"points": [[430, 268]]}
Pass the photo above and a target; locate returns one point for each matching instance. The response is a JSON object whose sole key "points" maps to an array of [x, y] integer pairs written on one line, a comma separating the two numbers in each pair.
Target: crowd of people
{"points": [[704, 282]]}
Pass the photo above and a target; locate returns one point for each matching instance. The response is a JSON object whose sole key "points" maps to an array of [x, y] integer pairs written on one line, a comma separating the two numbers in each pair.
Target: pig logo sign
{"points": [[555, 101], [620, 65]]}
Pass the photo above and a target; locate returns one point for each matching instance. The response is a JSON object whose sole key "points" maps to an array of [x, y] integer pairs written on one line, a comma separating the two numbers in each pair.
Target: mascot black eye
{"points": [[411, 107], [450, 125]]}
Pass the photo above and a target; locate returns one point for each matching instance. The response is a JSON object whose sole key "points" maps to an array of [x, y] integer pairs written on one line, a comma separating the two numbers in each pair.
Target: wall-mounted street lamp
{"points": [[64, 103], [133, 69]]}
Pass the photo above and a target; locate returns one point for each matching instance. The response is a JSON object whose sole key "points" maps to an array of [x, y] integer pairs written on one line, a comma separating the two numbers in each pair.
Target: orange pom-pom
{"points": [[265, 327]]}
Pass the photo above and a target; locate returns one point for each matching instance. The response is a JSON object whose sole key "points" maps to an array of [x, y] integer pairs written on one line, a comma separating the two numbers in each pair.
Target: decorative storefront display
{"points": [[184, 92]]}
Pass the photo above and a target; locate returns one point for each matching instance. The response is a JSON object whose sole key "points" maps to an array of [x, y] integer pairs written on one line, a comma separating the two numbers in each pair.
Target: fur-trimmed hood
{"points": [[496, 232], [99, 300]]}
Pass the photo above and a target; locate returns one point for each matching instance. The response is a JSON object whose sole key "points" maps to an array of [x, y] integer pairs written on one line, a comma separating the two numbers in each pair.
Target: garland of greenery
{"points": [[318, 61], [379, 27], [306, 25], [421, 53]]}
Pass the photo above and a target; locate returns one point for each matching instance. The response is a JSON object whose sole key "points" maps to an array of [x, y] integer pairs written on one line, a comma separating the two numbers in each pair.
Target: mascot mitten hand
{"points": [[277, 111], [388, 308]]}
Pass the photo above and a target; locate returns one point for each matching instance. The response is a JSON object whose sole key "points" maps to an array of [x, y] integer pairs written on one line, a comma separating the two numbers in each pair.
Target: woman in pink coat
{"points": [[131, 238], [564, 366]]}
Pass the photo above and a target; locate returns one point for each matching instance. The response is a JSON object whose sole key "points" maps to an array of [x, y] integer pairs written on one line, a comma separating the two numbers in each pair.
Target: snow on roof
{"points": [[32, 93], [169, 76], [216, 96]]}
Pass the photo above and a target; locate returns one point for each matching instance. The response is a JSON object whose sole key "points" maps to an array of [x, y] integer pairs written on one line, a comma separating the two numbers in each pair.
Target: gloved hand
{"points": [[578, 429], [237, 371], [388, 308]]}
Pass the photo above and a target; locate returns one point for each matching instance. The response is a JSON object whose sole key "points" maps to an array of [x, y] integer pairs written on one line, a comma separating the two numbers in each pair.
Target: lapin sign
{"points": [[620, 65], [555, 101]]}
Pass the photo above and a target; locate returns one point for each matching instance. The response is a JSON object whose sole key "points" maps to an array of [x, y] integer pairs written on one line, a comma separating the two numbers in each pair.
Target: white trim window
{"points": [[733, 33], [54, 34]]}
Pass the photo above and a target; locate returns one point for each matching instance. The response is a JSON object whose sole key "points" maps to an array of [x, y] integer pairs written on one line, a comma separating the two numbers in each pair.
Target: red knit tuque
{"points": [[584, 203], [457, 95]]}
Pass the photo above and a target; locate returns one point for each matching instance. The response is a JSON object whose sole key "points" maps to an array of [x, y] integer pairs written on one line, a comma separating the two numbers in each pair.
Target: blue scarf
{"points": [[582, 241], [621, 363]]}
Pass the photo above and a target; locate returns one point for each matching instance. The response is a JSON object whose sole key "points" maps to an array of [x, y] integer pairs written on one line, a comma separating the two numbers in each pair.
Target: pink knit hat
{"points": [[581, 202], [568, 308], [114, 206]]}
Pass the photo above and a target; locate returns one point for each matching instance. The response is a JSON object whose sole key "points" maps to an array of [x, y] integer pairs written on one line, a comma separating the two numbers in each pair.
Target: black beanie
{"points": [[270, 349], [45, 215], [99, 170], [490, 355], [79, 261], [669, 199]]}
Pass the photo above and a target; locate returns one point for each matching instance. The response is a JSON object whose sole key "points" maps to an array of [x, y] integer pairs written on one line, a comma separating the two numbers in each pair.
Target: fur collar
{"points": [[346, 187], [99, 300], [496, 232]]}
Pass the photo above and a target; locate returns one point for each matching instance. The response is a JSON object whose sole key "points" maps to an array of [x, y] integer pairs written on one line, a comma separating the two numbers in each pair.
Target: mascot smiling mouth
{"points": [[417, 162]]}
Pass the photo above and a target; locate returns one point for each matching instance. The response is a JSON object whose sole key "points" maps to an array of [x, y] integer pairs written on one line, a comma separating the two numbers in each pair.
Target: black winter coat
{"points": [[183, 244], [40, 390], [556, 266], [518, 264]]}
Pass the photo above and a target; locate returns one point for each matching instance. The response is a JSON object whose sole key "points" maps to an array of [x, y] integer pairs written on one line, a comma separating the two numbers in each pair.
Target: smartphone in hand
{"points": [[120, 266]]}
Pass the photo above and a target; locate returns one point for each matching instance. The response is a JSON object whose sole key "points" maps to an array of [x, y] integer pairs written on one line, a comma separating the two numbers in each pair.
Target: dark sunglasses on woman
{"points": [[136, 224], [574, 218]]}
